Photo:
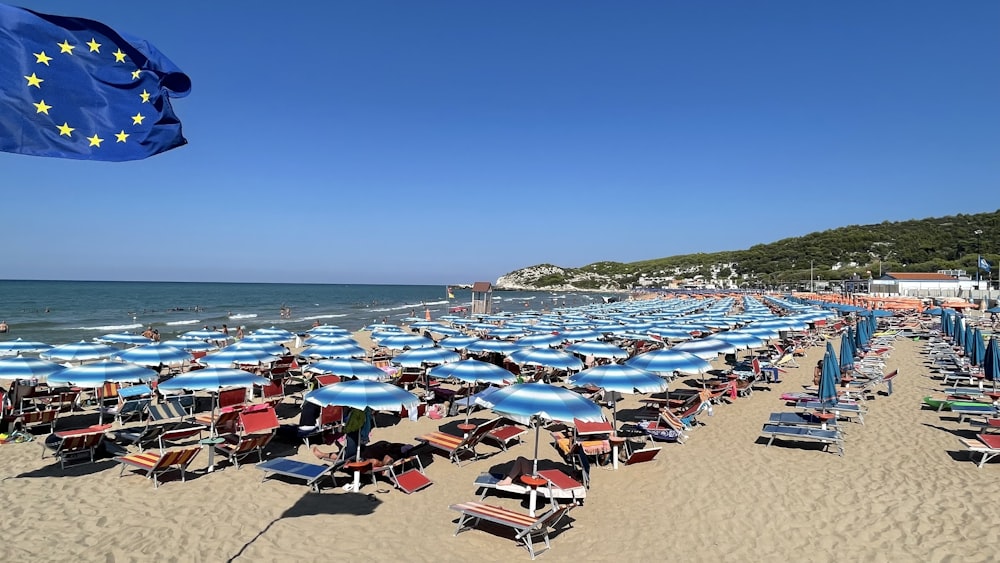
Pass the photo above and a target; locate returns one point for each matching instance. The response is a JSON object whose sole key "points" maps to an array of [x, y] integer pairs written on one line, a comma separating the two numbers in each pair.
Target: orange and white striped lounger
{"points": [[526, 528], [155, 464]]}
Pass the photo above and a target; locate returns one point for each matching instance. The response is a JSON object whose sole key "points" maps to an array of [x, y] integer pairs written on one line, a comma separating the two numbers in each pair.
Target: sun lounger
{"points": [[799, 419], [455, 446], [311, 473], [966, 409], [73, 445], [407, 480], [559, 486], [986, 444], [506, 434], [643, 455], [155, 464], [804, 433], [841, 409], [526, 528]]}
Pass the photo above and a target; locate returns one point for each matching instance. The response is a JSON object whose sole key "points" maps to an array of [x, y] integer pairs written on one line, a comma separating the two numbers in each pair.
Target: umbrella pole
{"points": [[534, 466], [357, 471], [468, 407]]}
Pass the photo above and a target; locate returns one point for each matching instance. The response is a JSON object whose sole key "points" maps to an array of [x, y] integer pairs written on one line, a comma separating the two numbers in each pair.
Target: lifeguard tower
{"points": [[482, 298]]}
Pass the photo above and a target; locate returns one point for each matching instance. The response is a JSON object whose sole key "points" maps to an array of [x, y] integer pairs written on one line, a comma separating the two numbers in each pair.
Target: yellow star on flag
{"points": [[137, 119], [95, 47], [34, 81], [65, 129], [65, 47], [95, 141], [119, 56], [121, 136], [42, 107], [42, 58], [144, 96], [136, 73]]}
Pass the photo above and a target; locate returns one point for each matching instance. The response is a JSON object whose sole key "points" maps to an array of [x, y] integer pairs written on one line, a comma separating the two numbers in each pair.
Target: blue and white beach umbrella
{"points": [[504, 331], [597, 349], [348, 367], [620, 378], [329, 330], [18, 346], [265, 346], [474, 371], [706, 348], [79, 352], [273, 331], [540, 340], [404, 341], [342, 350], [318, 339], [228, 357], [21, 367], [190, 344], [457, 342], [213, 379], [124, 338], [546, 357], [530, 403], [361, 394], [491, 345], [741, 339], [202, 334], [417, 357], [668, 361], [155, 354], [98, 373]]}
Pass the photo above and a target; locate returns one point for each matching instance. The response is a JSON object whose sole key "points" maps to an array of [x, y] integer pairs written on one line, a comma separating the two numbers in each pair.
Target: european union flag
{"points": [[75, 88]]}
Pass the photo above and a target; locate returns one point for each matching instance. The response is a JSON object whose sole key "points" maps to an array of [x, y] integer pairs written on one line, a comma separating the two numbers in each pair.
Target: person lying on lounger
{"points": [[377, 453], [522, 466]]}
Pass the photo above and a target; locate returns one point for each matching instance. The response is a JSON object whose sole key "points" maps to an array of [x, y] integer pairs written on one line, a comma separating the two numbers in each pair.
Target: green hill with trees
{"points": [[920, 245]]}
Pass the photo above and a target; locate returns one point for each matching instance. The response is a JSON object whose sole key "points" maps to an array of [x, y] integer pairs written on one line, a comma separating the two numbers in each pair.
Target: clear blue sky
{"points": [[449, 142]]}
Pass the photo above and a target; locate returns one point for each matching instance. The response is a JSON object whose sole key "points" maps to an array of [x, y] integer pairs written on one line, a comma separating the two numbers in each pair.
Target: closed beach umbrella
{"points": [[18, 346], [27, 368], [846, 354], [79, 352], [991, 363], [829, 377], [597, 349], [546, 357], [978, 348], [155, 354], [348, 367]]}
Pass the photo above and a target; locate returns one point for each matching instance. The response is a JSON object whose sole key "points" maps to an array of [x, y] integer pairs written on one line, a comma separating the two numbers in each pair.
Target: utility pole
{"points": [[812, 285], [979, 257]]}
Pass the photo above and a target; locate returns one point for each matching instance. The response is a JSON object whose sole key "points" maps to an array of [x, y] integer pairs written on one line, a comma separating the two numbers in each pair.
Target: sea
{"points": [[59, 312]]}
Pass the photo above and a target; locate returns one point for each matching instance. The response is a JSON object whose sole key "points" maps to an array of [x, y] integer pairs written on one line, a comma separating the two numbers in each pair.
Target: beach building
{"points": [[922, 284], [482, 298]]}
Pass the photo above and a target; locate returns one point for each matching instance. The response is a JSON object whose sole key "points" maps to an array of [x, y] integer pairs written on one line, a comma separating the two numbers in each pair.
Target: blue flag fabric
{"points": [[75, 88], [984, 265]]}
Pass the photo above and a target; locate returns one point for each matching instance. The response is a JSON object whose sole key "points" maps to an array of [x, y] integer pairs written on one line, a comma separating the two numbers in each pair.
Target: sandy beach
{"points": [[902, 491]]}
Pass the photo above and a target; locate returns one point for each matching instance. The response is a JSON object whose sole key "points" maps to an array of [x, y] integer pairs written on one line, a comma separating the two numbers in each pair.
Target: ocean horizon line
{"points": [[454, 285]]}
